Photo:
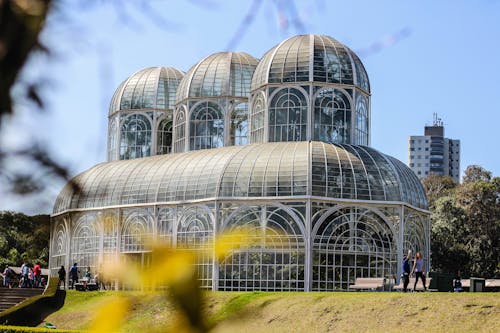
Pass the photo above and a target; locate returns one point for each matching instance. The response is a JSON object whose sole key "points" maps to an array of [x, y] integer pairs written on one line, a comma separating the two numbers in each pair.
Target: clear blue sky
{"points": [[421, 56]]}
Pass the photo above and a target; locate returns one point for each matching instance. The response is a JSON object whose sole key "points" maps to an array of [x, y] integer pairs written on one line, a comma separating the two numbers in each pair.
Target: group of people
{"points": [[30, 277], [74, 274], [418, 269]]}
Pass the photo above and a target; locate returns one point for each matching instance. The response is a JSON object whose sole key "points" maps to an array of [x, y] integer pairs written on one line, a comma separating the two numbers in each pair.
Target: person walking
{"points": [[7, 272], [62, 277], [406, 271], [73, 273], [37, 275], [25, 271], [418, 268]]}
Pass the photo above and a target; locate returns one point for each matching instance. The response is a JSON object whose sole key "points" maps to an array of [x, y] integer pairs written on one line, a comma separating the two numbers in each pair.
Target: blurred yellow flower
{"points": [[110, 316]]}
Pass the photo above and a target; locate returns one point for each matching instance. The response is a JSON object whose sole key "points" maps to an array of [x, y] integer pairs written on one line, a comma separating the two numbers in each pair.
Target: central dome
{"points": [[316, 58]]}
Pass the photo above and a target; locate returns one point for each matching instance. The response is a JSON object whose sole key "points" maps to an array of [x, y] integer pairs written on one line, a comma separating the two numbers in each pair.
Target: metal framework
{"points": [[324, 214], [324, 208], [139, 114], [214, 97], [310, 87]]}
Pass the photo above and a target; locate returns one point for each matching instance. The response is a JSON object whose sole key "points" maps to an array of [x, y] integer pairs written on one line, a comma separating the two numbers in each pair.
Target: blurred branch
{"points": [[245, 24], [20, 24]]}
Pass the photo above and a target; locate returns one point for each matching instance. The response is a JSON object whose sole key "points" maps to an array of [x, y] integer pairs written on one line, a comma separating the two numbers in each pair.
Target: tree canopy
{"points": [[465, 233], [24, 239]]}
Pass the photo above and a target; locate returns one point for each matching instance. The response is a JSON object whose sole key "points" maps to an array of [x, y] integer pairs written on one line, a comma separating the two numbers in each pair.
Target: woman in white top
{"points": [[419, 269]]}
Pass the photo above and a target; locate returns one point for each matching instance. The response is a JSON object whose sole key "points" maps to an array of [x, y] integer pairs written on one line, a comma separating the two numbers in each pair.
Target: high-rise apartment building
{"points": [[433, 153]]}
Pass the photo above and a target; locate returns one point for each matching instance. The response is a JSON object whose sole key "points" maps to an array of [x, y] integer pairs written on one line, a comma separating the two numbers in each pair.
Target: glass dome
{"points": [[220, 74], [292, 61], [149, 88], [282, 169]]}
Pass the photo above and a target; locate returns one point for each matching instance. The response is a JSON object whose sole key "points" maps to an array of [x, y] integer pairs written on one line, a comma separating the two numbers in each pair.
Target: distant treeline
{"points": [[24, 238]]}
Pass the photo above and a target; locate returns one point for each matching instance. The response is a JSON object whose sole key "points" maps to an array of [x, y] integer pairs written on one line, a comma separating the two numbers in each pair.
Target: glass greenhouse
{"points": [[331, 207]]}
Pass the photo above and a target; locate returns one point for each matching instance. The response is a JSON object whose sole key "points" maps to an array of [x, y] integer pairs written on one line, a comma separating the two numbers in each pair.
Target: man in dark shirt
{"points": [[406, 271], [73, 273]]}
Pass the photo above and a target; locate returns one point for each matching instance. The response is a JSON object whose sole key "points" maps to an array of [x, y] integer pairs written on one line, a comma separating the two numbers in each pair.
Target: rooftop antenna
{"points": [[437, 121]]}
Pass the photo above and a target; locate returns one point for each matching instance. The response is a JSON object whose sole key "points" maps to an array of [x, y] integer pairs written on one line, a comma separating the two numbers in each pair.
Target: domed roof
{"points": [[292, 61], [220, 74], [280, 169], [149, 88]]}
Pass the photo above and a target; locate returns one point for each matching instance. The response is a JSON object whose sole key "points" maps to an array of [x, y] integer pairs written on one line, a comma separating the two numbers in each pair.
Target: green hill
{"points": [[303, 312]]}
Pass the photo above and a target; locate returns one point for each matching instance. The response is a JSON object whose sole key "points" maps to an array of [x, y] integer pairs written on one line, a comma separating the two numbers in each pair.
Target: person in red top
{"points": [[37, 272]]}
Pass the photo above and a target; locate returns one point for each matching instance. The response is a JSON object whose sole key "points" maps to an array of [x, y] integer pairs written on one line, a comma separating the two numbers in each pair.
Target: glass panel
{"points": [[288, 116], [332, 116], [207, 127], [239, 125], [135, 138], [164, 143]]}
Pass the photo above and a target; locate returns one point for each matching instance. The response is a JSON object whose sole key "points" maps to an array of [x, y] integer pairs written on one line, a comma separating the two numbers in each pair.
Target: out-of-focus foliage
{"points": [[465, 233], [21, 22], [24, 238]]}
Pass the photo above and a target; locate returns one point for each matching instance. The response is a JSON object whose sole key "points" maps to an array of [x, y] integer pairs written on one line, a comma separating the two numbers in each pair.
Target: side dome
{"points": [[148, 88], [220, 74], [292, 170], [316, 58]]}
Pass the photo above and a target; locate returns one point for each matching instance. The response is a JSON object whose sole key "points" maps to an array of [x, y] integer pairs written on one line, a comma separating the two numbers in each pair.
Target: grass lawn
{"points": [[302, 312]]}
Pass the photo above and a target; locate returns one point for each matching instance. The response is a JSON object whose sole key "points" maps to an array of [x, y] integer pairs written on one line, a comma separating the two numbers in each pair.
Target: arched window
{"points": [[85, 241], [239, 125], [288, 116], [135, 137], [332, 116], [207, 127], [112, 134], [257, 121], [361, 121], [137, 231], [273, 260], [194, 232], [164, 143], [59, 250], [351, 243], [180, 132]]}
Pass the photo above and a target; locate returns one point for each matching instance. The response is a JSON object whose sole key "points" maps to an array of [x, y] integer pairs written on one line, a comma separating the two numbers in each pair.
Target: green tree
{"points": [[437, 186], [475, 173], [24, 238], [449, 230], [479, 197], [465, 232]]}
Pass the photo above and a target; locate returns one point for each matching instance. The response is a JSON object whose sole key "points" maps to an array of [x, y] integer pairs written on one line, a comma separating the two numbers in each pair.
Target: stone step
{"points": [[13, 296]]}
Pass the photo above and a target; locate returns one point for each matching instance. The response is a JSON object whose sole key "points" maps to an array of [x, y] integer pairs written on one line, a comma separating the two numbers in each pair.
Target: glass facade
{"points": [[215, 94], [322, 207], [148, 93], [323, 110]]}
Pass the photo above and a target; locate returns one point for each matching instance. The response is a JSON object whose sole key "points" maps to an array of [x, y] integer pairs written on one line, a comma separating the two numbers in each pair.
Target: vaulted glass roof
{"points": [[315, 58], [220, 74], [282, 169], [149, 88]]}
